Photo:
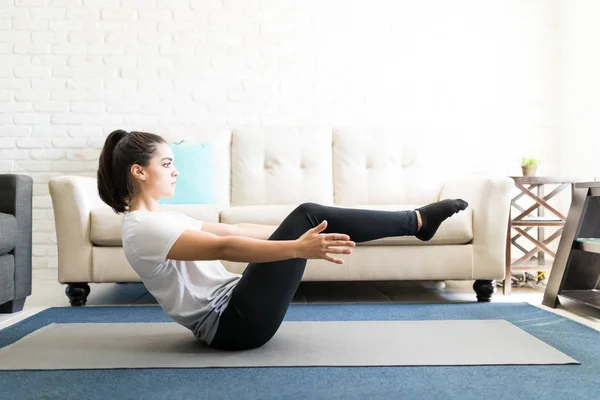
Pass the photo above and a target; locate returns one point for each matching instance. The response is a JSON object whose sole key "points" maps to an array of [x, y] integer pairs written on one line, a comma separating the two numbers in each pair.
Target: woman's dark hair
{"points": [[121, 150]]}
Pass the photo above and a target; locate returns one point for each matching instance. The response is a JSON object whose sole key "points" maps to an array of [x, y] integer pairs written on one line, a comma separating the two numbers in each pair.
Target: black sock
{"points": [[434, 214]]}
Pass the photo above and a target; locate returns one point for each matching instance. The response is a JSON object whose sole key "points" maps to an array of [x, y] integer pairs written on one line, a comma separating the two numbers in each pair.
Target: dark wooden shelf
{"points": [[587, 185], [575, 272], [591, 245], [589, 297]]}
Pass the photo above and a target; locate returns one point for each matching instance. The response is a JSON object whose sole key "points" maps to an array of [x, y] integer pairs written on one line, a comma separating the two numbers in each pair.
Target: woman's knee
{"points": [[305, 216], [302, 218], [308, 208]]}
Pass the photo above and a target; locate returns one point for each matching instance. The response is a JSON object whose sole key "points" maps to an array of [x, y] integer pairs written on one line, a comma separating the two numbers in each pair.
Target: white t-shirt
{"points": [[192, 293]]}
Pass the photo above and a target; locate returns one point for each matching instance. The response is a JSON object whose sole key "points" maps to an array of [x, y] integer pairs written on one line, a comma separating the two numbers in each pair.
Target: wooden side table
{"points": [[576, 270], [534, 187]]}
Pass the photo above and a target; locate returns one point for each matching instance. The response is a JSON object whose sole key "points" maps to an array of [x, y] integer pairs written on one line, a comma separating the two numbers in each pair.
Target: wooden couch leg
{"points": [[77, 293], [484, 290]]}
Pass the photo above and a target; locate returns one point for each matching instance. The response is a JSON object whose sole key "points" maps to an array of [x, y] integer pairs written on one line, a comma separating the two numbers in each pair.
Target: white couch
{"points": [[263, 174]]}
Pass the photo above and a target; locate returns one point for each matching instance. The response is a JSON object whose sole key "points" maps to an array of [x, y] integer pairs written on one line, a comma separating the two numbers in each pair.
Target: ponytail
{"points": [[120, 151], [110, 192]]}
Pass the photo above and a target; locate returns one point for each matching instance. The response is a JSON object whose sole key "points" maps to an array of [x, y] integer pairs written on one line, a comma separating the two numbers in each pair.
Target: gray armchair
{"points": [[15, 241]]}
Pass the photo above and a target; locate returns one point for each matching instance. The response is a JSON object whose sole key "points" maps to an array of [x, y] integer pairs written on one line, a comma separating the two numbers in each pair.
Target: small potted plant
{"points": [[529, 165]]}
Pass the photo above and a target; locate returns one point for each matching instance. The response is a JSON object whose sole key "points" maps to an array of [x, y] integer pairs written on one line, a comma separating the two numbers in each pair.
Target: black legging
{"points": [[262, 296]]}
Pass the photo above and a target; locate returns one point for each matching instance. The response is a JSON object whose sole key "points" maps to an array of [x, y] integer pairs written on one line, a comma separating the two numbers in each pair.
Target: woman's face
{"points": [[158, 178]]}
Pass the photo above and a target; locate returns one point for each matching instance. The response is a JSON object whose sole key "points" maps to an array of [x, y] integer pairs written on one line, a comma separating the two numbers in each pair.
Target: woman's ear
{"points": [[137, 172]]}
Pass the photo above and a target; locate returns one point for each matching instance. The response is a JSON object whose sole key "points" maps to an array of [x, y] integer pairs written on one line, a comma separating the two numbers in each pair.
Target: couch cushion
{"points": [[8, 232], [105, 224], [380, 166], [263, 215], [271, 166], [455, 230]]}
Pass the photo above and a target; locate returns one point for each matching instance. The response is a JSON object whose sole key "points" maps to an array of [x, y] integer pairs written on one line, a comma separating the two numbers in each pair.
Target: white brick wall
{"points": [[580, 84], [447, 72]]}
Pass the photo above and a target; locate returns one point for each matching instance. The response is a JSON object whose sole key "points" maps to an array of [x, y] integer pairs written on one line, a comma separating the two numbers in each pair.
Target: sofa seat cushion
{"points": [[8, 233], [456, 230], [105, 229]]}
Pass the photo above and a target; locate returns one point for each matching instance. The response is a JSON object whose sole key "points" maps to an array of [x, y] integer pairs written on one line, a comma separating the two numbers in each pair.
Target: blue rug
{"points": [[456, 382]]}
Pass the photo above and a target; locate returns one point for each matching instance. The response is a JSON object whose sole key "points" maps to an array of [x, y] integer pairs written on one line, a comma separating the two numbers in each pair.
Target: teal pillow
{"points": [[195, 182]]}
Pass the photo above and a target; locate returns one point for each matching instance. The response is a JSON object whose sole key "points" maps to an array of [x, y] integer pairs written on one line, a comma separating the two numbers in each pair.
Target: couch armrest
{"points": [[73, 198], [16, 193], [490, 199]]}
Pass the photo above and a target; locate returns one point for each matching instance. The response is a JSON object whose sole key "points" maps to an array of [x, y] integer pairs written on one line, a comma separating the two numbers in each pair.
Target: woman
{"points": [[177, 257]]}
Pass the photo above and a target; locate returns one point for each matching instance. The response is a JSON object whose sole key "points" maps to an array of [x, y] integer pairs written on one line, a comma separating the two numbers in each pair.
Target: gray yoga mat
{"points": [[297, 343]]}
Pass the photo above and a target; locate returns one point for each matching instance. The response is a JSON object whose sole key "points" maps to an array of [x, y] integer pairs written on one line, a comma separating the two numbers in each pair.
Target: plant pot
{"points": [[529, 171]]}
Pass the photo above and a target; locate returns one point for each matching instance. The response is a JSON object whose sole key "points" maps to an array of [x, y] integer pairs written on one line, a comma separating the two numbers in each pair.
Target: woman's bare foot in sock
{"points": [[434, 214]]}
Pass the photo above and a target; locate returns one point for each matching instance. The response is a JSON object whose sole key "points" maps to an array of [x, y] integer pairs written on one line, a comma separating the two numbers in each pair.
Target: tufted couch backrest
{"points": [[342, 166], [382, 166], [281, 166]]}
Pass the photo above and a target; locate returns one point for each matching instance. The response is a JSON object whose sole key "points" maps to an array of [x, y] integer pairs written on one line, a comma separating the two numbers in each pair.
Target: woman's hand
{"points": [[315, 245]]}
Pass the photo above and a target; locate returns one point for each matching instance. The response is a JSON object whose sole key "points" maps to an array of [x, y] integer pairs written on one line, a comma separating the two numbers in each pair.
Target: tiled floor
{"points": [[47, 292]]}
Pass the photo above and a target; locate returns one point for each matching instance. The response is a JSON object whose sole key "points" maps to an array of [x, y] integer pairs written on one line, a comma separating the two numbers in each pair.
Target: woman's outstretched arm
{"points": [[242, 229], [255, 231], [196, 245]]}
